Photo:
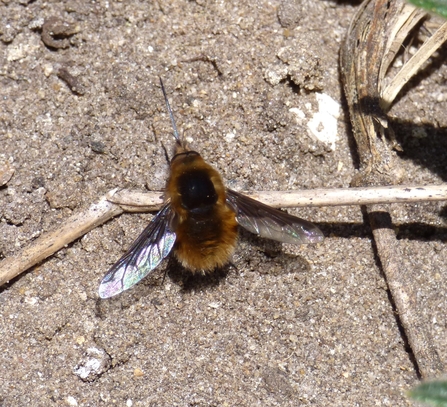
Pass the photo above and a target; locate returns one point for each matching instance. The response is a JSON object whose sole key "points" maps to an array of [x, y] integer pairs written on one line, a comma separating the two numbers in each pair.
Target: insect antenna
{"points": [[180, 143]]}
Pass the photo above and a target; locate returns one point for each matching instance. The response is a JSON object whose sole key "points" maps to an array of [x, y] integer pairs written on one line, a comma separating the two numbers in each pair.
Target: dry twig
{"points": [[118, 201], [375, 36]]}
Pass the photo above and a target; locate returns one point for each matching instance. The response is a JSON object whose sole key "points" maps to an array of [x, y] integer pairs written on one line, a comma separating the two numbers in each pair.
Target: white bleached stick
{"points": [[118, 201]]}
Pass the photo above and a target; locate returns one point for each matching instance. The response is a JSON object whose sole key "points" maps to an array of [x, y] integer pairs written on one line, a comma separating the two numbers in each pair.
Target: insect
{"points": [[199, 222]]}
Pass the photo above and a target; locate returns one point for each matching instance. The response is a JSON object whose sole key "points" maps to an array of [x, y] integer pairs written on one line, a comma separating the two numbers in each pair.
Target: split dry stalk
{"points": [[375, 36]]}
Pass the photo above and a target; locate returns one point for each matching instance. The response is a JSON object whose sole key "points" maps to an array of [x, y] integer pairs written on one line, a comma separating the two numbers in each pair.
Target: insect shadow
{"points": [[199, 224], [196, 281]]}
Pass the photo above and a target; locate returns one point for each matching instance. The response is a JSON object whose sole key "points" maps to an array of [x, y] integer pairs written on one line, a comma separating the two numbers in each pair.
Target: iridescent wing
{"points": [[271, 223], [146, 253]]}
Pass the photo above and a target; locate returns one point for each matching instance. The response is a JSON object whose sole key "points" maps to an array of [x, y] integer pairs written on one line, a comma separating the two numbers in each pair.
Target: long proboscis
{"points": [[171, 115]]}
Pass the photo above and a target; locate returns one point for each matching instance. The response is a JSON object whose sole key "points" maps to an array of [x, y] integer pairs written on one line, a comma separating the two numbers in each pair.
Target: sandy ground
{"points": [[82, 113]]}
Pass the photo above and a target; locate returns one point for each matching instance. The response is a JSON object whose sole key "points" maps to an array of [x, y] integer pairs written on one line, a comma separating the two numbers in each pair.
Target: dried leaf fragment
{"points": [[72, 81], [55, 32]]}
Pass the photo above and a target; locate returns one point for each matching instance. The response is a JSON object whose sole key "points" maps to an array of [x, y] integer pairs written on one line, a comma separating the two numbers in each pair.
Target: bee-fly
{"points": [[198, 222]]}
